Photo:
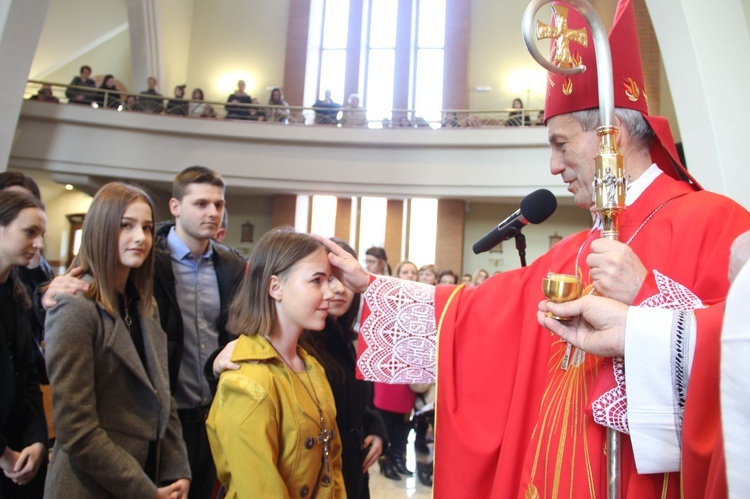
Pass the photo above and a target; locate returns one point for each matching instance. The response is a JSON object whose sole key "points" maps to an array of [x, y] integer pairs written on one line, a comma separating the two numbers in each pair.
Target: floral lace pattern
{"points": [[399, 333], [610, 409]]}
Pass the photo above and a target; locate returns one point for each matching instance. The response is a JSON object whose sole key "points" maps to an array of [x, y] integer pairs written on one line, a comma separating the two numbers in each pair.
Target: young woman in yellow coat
{"points": [[272, 425]]}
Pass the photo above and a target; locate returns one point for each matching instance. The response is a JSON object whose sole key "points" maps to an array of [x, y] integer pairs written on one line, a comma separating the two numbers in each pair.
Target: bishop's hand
{"points": [[596, 325], [345, 267], [615, 269]]}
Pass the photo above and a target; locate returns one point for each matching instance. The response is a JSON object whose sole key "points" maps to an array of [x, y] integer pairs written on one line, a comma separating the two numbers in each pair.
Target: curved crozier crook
{"points": [[601, 49]]}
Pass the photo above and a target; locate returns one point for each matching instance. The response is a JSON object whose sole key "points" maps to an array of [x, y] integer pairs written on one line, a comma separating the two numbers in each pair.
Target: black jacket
{"points": [[31, 280], [22, 418], [229, 267], [356, 416]]}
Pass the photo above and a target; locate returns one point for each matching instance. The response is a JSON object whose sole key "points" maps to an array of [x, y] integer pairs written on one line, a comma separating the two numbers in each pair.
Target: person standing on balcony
{"points": [[239, 96], [108, 95], [151, 102], [79, 95], [326, 110], [354, 115], [280, 110]]}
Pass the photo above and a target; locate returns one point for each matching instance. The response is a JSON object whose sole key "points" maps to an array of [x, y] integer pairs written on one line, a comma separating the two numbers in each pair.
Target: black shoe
{"points": [[424, 473], [387, 469], [400, 465]]}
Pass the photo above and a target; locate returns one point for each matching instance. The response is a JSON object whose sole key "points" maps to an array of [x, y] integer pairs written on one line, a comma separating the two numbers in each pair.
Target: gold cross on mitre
{"points": [[562, 56]]}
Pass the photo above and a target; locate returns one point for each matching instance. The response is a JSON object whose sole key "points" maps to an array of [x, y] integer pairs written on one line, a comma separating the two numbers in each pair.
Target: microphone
{"points": [[535, 208]]}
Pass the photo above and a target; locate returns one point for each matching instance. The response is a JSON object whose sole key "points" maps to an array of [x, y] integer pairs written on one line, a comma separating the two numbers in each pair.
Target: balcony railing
{"points": [[343, 117]]}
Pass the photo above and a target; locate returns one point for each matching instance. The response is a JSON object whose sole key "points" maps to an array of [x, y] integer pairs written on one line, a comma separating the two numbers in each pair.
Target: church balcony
{"points": [[488, 160]]}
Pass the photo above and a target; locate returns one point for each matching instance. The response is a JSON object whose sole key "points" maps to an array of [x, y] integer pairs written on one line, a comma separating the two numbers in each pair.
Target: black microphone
{"points": [[535, 209]]}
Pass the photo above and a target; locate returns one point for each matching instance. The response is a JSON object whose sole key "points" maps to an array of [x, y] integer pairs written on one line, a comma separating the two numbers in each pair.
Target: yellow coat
{"points": [[263, 426]]}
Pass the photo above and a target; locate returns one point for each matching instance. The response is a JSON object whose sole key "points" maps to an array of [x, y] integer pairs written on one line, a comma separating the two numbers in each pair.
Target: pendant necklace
{"points": [[326, 436], [126, 315], [127, 319]]}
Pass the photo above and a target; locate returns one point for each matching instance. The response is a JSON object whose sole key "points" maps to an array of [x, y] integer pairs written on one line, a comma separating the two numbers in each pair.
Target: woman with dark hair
{"points": [[199, 109], [115, 420], [23, 427], [518, 118], [178, 105], [280, 110], [37, 272], [108, 95], [376, 261]]}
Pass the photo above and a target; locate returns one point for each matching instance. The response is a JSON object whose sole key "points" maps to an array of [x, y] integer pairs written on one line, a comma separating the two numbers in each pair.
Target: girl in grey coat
{"points": [[117, 429]]}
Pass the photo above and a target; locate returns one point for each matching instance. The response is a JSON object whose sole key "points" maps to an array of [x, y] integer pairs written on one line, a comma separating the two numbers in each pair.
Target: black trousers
{"points": [[398, 427], [199, 453]]}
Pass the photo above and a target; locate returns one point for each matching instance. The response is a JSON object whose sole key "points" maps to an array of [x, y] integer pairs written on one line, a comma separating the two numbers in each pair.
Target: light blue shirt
{"points": [[197, 291]]}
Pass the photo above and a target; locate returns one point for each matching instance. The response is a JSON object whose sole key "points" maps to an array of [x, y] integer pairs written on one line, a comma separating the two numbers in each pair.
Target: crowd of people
{"points": [[151, 308], [84, 90]]}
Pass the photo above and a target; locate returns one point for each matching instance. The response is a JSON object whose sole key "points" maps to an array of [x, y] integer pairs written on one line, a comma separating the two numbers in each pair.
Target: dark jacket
{"points": [[22, 419], [31, 280], [78, 95], [355, 415], [229, 267]]}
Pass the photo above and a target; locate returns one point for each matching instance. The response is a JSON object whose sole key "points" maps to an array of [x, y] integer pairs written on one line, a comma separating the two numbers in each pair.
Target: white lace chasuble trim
{"points": [[400, 332], [610, 409]]}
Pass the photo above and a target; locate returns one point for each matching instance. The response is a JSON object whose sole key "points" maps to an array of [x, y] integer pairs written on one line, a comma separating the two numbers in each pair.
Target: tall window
{"points": [[392, 54], [429, 55], [422, 231], [381, 59], [323, 220], [372, 222], [332, 74]]}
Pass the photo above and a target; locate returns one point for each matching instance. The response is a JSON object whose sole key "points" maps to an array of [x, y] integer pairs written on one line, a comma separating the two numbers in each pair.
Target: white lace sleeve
{"points": [[399, 333], [659, 345]]}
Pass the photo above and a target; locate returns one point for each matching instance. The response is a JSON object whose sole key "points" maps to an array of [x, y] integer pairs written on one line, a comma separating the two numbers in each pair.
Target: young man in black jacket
{"points": [[195, 279]]}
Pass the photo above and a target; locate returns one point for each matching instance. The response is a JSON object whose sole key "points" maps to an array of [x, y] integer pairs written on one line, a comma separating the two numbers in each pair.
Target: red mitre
{"points": [[572, 44]]}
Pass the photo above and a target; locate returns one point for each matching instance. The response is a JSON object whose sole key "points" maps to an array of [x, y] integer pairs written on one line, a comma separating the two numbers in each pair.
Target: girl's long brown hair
{"points": [[99, 253]]}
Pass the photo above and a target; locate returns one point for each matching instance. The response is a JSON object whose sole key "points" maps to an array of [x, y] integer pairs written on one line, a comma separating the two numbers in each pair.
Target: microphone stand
{"points": [[521, 247]]}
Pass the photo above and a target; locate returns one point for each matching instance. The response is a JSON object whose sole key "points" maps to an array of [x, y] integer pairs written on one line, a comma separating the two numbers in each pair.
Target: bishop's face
{"points": [[572, 157]]}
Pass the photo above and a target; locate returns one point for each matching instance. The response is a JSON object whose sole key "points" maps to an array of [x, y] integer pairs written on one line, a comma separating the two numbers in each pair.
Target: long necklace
{"points": [[326, 436]]}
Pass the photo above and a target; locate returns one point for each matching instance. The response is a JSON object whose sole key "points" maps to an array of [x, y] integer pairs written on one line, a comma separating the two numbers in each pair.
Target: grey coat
{"points": [[106, 407]]}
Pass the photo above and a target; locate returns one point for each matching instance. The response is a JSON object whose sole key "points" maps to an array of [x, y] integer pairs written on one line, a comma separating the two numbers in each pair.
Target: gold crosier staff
{"points": [[609, 181]]}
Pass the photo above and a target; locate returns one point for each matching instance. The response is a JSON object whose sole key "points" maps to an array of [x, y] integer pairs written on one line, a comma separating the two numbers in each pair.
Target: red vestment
{"points": [[703, 465], [510, 422]]}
